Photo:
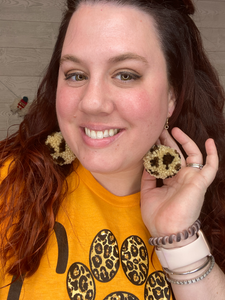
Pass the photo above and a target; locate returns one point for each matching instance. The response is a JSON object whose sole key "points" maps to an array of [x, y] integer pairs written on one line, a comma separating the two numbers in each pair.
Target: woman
{"points": [[120, 71]]}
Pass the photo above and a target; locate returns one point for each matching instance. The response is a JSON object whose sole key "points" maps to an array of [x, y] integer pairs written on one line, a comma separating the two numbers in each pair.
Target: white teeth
{"points": [[93, 134], [106, 133], [111, 132], [100, 134]]}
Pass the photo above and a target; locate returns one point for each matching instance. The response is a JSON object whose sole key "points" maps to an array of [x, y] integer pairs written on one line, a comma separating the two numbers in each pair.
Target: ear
{"points": [[171, 101]]}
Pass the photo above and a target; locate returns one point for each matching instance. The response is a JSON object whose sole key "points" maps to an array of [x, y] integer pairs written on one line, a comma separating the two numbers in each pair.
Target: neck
{"points": [[122, 183]]}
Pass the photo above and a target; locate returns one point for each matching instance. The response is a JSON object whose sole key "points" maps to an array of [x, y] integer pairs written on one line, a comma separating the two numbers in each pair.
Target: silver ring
{"points": [[194, 165]]}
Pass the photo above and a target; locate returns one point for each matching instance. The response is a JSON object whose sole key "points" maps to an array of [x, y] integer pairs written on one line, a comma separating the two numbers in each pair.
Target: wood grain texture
{"points": [[23, 61], [210, 14], [218, 60], [222, 80], [210, 19], [18, 86], [12, 88], [17, 34], [6, 116], [31, 10], [213, 39]]}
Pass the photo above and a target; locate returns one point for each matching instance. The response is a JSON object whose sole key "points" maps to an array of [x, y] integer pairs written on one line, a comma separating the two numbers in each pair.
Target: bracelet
{"points": [[194, 280], [185, 234], [184, 256], [170, 272]]}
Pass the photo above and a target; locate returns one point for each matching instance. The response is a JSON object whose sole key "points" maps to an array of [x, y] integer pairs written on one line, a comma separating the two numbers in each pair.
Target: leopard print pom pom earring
{"points": [[59, 150], [161, 161]]}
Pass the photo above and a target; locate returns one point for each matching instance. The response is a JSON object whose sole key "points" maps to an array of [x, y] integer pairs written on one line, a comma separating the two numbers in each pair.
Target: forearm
{"points": [[210, 288]]}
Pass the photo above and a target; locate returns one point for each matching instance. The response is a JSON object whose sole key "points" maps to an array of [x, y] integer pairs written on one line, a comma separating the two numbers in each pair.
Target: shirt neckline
{"points": [[121, 201]]}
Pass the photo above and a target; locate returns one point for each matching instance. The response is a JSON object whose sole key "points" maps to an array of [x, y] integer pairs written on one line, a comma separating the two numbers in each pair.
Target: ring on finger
{"points": [[195, 165]]}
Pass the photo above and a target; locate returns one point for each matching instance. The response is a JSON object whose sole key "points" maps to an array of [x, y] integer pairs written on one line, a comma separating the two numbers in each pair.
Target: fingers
{"points": [[212, 156], [194, 155], [189, 146], [167, 140], [212, 161]]}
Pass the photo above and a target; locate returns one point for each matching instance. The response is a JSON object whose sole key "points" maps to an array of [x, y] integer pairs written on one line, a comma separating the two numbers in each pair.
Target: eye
{"points": [[127, 76], [75, 77]]}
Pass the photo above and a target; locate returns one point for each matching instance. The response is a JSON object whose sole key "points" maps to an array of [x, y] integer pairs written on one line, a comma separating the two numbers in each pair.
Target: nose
{"points": [[96, 99]]}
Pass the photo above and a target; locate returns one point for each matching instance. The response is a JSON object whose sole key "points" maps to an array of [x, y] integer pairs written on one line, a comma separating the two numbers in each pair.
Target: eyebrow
{"points": [[69, 58], [116, 59], [128, 56]]}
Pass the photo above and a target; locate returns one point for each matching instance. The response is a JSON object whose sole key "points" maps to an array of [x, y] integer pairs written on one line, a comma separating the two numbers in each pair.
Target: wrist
{"points": [[185, 256], [188, 263], [182, 243], [177, 238], [187, 271], [174, 258], [196, 272]]}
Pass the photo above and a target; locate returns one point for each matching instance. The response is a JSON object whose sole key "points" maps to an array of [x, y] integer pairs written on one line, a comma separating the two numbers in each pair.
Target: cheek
{"points": [[65, 104], [147, 107]]}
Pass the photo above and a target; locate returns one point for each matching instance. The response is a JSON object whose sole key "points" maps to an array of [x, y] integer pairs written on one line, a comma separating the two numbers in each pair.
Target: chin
{"points": [[100, 166]]}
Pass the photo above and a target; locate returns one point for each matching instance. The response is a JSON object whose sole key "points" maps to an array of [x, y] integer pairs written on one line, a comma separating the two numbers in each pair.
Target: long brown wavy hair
{"points": [[32, 192]]}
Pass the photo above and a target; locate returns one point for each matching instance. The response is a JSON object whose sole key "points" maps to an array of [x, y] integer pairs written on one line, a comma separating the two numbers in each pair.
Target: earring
{"points": [[59, 150], [167, 124], [161, 161]]}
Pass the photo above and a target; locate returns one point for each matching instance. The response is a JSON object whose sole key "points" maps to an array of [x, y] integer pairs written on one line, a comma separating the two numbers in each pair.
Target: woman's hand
{"points": [[177, 204]]}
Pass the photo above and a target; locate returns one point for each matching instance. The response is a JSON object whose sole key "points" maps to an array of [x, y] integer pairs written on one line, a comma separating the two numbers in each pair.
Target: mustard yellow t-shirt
{"points": [[99, 250]]}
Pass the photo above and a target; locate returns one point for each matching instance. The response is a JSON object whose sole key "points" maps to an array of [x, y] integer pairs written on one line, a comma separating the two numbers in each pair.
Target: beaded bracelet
{"points": [[193, 280], [185, 234]]}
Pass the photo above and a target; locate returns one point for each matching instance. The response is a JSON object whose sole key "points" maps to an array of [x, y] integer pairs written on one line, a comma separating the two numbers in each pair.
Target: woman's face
{"points": [[113, 95]]}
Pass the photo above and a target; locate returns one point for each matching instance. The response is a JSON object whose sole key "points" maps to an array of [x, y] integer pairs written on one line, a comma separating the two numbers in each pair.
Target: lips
{"points": [[93, 134]]}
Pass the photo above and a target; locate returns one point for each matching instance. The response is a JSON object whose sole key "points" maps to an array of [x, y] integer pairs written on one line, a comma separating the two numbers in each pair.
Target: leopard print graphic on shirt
{"points": [[105, 258]]}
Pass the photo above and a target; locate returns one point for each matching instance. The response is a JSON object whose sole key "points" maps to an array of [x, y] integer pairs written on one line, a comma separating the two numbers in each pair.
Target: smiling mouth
{"points": [[100, 134]]}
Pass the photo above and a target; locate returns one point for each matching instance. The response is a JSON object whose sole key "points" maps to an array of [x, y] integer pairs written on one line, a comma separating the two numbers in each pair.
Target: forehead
{"points": [[110, 21], [100, 31]]}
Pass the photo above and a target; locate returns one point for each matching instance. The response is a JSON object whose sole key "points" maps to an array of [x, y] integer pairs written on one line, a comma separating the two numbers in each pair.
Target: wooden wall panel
{"points": [[218, 60], [28, 34], [210, 14], [6, 117], [213, 39], [210, 19], [24, 86], [31, 10], [23, 61], [222, 80], [28, 29]]}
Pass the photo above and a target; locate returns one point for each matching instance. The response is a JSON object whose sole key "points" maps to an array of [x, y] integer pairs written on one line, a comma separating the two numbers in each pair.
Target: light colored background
{"points": [[28, 30]]}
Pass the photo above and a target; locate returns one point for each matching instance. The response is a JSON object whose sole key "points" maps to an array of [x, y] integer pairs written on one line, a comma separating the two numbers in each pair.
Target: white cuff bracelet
{"points": [[180, 257]]}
